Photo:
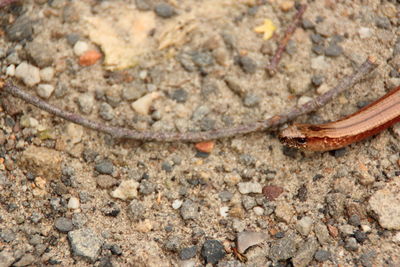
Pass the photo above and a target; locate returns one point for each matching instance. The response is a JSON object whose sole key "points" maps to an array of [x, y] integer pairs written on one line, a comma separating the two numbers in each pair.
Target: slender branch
{"points": [[283, 43], [117, 132], [4, 3]]}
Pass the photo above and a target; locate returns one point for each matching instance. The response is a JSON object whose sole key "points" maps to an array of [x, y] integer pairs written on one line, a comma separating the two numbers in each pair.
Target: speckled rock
{"points": [[85, 243], [283, 249], [386, 204], [212, 251]]}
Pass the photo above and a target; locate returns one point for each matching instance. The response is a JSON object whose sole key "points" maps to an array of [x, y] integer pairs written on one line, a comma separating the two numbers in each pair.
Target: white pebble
{"points": [[10, 71], [258, 211], [177, 204], [303, 99], [223, 211], [80, 47], [45, 90], [73, 203], [29, 74], [319, 63], [143, 104], [323, 89], [47, 74], [249, 187], [364, 32], [86, 102], [126, 190], [28, 122]]}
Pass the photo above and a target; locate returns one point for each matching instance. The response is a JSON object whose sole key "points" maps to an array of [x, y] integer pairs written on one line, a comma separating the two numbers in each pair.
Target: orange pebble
{"points": [[206, 147], [89, 58]]}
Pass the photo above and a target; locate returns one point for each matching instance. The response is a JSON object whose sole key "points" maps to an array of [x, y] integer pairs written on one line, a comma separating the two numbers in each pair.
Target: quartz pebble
{"points": [[364, 32], [303, 99], [47, 74], [80, 48], [45, 90], [143, 104], [126, 190], [29, 74], [73, 203], [249, 187]]}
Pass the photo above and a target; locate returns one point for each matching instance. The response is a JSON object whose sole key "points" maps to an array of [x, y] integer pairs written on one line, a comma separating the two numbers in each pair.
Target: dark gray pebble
{"points": [[333, 50], [316, 38], [89, 155], [338, 152], [164, 10], [21, 29], [104, 166], [247, 64], [354, 220], [186, 61], [200, 154], [106, 111], [307, 24], [360, 236], [383, 23], [318, 49], [322, 255], [179, 95], [317, 80], [63, 224], [207, 124], [188, 253], [136, 210], [212, 251], [116, 250]]}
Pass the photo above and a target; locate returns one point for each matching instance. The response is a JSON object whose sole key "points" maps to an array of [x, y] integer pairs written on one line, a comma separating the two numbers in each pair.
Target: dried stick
{"points": [[283, 43], [117, 132], [4, 3]]}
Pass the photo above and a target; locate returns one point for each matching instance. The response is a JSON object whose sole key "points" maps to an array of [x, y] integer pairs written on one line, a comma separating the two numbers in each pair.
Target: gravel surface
{"points": [[72, 196]]}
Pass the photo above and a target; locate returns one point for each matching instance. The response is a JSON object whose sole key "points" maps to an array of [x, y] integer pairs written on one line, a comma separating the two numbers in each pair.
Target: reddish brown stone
{"points": [[271, 192]]}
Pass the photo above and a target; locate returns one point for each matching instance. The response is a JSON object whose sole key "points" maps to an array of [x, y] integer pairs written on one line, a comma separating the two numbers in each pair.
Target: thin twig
{"points": [[118, 132], [4, 3], [283, 43]]}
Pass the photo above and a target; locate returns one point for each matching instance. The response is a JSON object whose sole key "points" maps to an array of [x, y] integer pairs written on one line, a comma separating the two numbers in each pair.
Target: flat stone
{"points": [[63, 224], [85, 243], [386, 204], [188, 253], [128, 189], [248, 239], [249, 187]]}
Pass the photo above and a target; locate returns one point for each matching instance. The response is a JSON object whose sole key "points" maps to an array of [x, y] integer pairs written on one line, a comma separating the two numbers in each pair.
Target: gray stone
{"points": [[21, 29], [247, 64], [212, 251], [179, 95], [189, 210], [164, 10], [248, 202], [85, 243], [383, 23], [26, 260], [104, 166], [136, 210], [86, 103], [322, 255], [200, 113], [106, 181], [305, 254], [207, 124], [225, 196], [146, 188], [7, 235], [367, 259], [133, 91], [41, 53], [322, 233], [351, 244], [186, 61], [188, 253], [202, 59], [251, 100], [63, 224], [333, 50], [283, 249], [106, 111]]}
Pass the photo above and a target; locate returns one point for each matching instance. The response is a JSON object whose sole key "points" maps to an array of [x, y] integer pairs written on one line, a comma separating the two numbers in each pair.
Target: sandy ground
{"points": [[61, 184]]}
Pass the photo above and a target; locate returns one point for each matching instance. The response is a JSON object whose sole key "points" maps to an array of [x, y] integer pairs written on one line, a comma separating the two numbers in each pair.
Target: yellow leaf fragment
{"points": [[268, 29]]}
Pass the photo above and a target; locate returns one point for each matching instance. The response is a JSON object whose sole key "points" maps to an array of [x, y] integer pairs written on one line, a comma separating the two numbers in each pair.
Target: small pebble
{"points": [[128, 189], [136, 210], [247, 64], [89, 58], [47, 74], [258, 211], [364, 32], [86, 103], [212, 251], [45, 90], [85, 243], [133, 92], [164, 10], [177, 204], [333, 50], [307, 24], [105, 181], [351, 244], [317, 80], [248, 239], [63, 224], [41, 53], [319, 63], [303, 99], [304, 225], [249, 187], [189, 210], [143, 104], [143, 5], [104, 166], [202, 59], [188, 253], [179, 95], [10, 70], [225, 196], [72, 39], [106, 112], [322, 255], [251, 100], [206, 146], [29, 74], [80, 48], [21, 29], [73, 203], [248, 202]]}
